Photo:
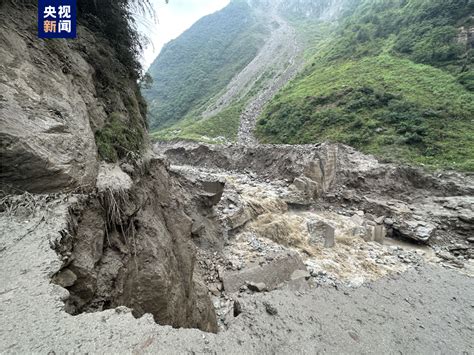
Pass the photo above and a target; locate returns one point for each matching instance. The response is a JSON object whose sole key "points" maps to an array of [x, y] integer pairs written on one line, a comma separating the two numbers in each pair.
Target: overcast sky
{"points": [[172, 20]]}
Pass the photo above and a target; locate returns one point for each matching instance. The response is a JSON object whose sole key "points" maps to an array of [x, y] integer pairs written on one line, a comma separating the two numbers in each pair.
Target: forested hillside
{"points": [[395, 78], [202, 61]]}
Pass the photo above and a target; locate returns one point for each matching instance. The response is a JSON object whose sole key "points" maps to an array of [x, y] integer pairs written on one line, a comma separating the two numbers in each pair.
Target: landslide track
{"points": [[277, 63]]}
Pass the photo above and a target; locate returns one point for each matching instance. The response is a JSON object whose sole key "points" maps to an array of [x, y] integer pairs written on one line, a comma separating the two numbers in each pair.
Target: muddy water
{"points": [[352, 260], [265, 224], [427, 252], [270, 228]]}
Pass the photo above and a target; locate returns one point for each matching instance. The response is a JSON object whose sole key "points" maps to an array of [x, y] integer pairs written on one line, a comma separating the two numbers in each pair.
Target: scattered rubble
{"points": [[254, 235], [269, 209]]}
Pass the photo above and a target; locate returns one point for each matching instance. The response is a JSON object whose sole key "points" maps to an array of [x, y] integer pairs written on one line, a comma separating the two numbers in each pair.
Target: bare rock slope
{"points": [[52, 103]]}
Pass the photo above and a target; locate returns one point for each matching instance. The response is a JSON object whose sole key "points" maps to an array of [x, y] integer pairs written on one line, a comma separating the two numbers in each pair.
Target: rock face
{"points": [[52, 103], [47, 140], [133, 247]]}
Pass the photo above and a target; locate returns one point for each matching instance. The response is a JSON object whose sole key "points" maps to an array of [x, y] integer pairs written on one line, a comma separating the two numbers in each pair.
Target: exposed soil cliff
{"points": [[131, 245]]}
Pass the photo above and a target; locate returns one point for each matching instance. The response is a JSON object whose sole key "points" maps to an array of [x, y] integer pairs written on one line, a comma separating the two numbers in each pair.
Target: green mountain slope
{"points": [[196, 66], [395, 78]]}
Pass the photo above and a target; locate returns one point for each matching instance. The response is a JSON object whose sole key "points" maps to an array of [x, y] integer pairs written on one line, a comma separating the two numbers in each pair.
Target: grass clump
{"points": [[118, 140]]}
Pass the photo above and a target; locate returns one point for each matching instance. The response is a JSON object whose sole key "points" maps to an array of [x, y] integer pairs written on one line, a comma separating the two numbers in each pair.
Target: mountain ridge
{"points": [[179, 86]]}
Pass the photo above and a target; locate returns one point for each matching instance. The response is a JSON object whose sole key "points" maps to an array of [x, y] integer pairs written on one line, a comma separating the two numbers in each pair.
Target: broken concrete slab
{"points": [[273, 274]]}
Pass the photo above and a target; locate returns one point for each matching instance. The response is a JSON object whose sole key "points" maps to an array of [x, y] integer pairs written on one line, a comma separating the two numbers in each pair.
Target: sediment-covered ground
{"points": [[305, 248]]}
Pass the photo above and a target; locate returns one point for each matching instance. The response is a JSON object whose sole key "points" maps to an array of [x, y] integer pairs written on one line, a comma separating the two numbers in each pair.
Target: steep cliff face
{"points": [[132, 245], [205, 92], [57, 102], [193, 68]]}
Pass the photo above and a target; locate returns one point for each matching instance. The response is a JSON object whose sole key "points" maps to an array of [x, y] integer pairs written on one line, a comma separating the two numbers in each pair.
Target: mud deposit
{"points": [[274, 248]]}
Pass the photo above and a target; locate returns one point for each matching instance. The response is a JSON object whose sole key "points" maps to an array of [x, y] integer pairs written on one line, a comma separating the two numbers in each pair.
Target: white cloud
{"points": [[172, 20]]}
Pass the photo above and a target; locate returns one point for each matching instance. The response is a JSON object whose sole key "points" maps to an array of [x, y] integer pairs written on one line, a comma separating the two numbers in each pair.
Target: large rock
{"points": [[47, 99], [272, 274], [415, 230], [213, 191], [239, 217], [321, 233]]}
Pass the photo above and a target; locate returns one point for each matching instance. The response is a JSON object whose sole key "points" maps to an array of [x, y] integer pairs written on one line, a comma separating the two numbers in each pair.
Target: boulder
{"points": [[257, 287], [213, 191], [414, 230], [306, 186], [321, 233], [272, 274], [239, 217], [65, 278]]}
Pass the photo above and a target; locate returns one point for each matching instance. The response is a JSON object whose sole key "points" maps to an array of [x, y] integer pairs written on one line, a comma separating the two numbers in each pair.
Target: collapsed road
{"points": [[301, 248]]}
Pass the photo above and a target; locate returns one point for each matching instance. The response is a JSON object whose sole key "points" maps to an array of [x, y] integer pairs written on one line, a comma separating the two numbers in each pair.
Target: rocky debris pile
{"points": [[338, 208], [252, 243], [457, 254], [440, 222], [263, 278], [282, 53], [291, 66], [339, 244]]}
